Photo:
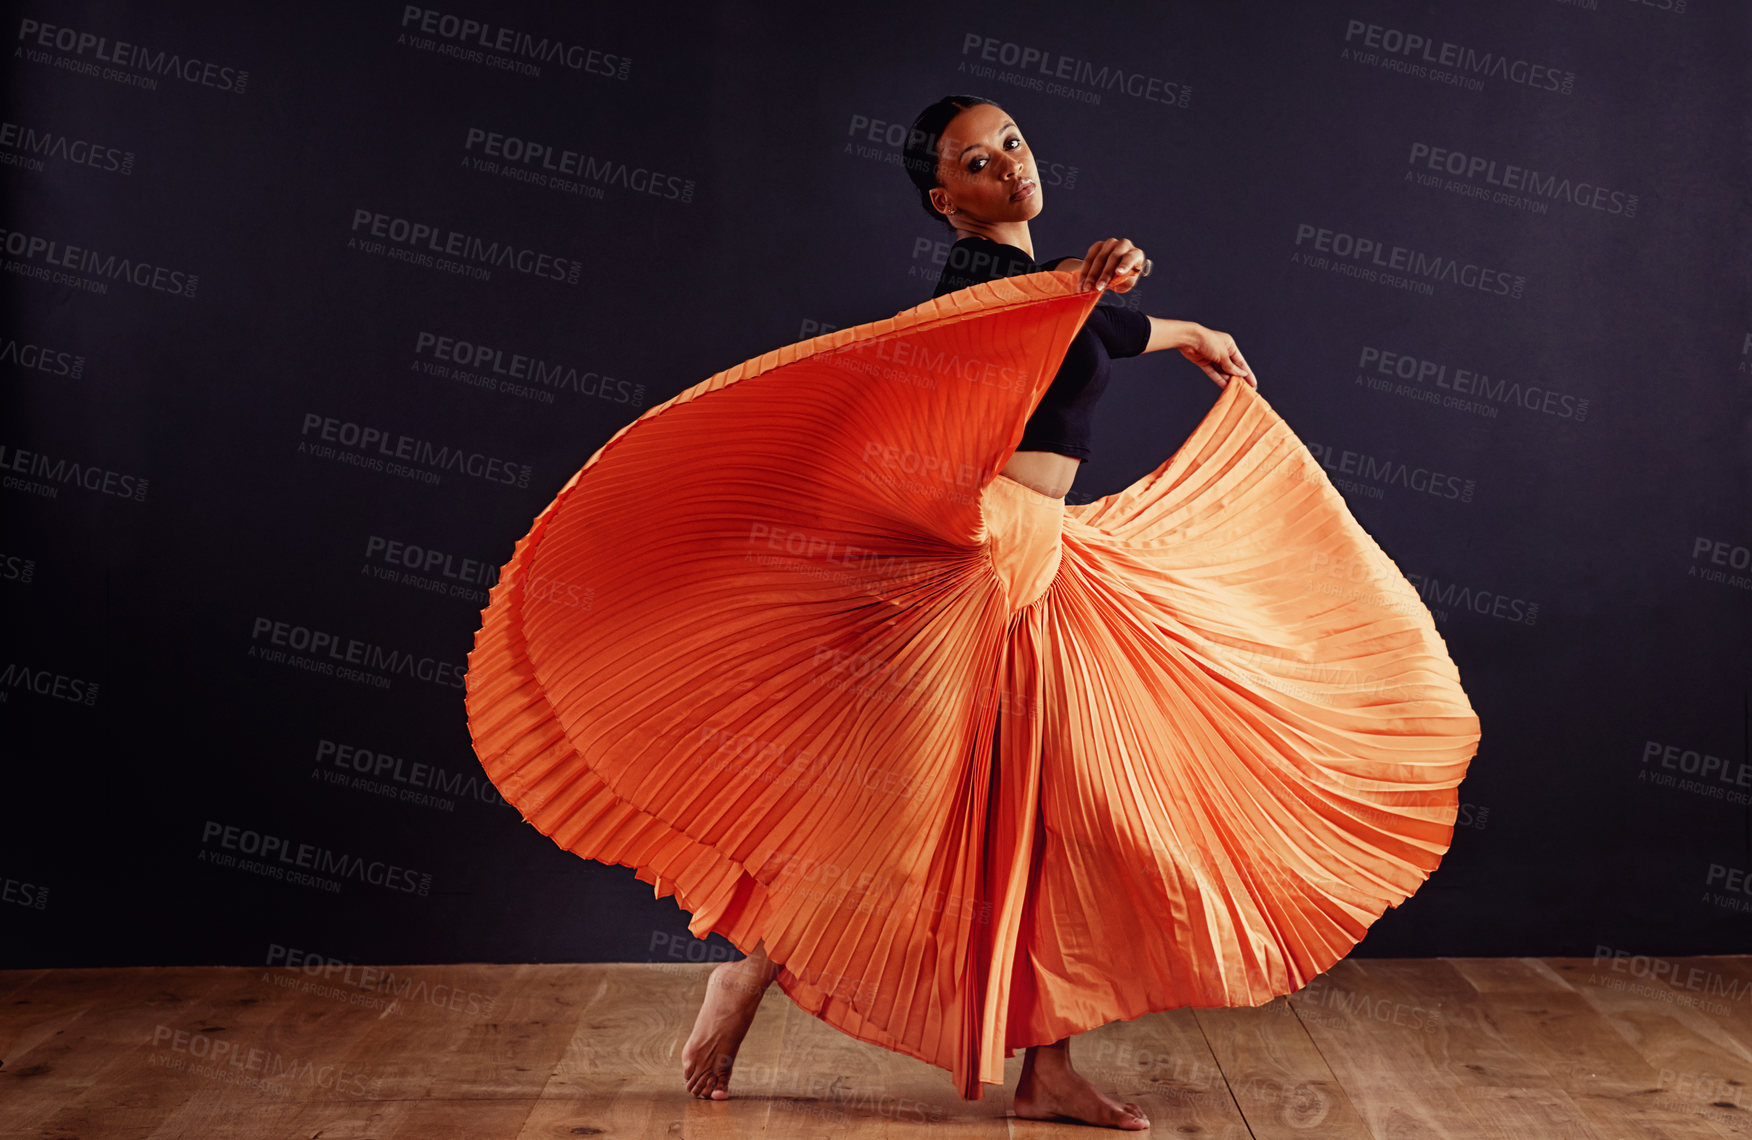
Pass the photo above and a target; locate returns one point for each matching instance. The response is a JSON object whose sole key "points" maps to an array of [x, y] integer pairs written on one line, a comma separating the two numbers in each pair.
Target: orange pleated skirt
{"points": [[983, 769]]}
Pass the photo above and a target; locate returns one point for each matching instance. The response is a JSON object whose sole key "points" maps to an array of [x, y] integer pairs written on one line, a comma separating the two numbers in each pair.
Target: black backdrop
{"points": [[1489, 261]]}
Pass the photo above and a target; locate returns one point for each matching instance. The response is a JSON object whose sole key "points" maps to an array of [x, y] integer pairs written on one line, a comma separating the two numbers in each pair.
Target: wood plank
{"points": [[1554, 1049], [1496, 975], [1723, 987], [1280, 1082], [1393, 1053], [402, 1043], [1558, 1031], [145, 1078], [620, 1074], [840, 1086], [1436, 1005], [399, 1056], [187, 1076], [12, 981], [1510, 1090], [1702, 1064], [1162, 1062], [70, 1028]]}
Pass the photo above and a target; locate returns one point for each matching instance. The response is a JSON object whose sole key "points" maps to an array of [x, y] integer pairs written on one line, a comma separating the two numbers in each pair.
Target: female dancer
{"points": [[976, 173], [966, 769]]}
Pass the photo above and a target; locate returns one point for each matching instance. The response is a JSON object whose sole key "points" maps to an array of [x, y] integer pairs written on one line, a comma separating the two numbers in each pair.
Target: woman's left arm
{"points": [[1165, 332], [1214, 352]]}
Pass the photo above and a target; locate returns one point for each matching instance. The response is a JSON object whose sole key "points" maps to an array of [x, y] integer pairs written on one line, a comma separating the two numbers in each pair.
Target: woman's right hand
{"points": [[1215, 352], [1113, 264]]}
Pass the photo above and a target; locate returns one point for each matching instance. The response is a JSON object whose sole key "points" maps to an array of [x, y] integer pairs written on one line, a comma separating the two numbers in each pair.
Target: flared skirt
{"points": [[981, 768]]}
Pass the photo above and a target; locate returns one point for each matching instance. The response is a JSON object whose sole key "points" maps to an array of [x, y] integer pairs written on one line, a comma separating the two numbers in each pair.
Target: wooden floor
{"points": [[1522, 1048]]}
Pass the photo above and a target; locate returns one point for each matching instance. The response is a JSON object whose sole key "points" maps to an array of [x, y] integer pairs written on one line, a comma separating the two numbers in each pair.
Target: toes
{"points": [[707, 1082]]}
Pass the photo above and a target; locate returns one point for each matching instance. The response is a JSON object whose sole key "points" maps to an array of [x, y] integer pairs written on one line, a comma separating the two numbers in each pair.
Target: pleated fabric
{"points": [[983, 770]]}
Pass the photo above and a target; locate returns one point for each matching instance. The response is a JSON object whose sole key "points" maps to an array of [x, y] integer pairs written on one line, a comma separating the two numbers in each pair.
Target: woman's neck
{"points": [[1012, 234]]}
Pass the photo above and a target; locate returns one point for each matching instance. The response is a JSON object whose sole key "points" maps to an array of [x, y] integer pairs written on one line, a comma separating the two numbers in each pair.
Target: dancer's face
{"points": [[982, 162]]}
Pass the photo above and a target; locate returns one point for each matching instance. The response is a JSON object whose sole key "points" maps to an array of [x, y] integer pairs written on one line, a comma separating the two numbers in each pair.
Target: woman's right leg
{"points": [[733, 993]]}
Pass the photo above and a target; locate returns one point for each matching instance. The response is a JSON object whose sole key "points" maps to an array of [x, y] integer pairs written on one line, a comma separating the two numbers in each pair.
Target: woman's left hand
{"points": [[1216, 354], [1114, 264]]}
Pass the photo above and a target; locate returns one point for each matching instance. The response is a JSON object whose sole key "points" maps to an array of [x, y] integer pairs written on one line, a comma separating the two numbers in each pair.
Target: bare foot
{"points": [[732, 995], [1050, 1089]]}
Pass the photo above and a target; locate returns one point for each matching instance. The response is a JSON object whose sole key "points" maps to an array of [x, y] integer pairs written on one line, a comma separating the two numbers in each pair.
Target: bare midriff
{"points": [[1046, 471]]}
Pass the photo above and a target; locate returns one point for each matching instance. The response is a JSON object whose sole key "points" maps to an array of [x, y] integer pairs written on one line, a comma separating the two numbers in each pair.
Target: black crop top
{"points": [[1060, 422]]}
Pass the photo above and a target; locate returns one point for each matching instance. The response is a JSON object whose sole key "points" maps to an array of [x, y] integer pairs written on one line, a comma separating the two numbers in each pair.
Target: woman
{"points": [[965, 769]]}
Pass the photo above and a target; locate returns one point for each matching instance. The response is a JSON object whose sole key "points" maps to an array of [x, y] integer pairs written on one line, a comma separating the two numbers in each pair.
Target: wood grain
{"points": [[1375, 1049]]}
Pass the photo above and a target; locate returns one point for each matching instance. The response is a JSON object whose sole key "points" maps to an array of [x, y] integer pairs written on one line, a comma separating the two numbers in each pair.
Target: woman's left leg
{"points": [[1026, 533]]}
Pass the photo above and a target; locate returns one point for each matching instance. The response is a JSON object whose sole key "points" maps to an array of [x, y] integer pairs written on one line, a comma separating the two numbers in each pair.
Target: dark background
{"points": [[743, 192]]}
